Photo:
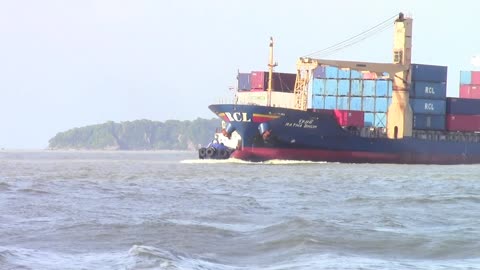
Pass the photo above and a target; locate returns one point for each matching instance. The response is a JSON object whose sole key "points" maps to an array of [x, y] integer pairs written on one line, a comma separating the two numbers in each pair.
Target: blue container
{"points": [[330, 102], [369, 119], [380, 119], [381, 104], [429, 73], [381, 88], [429, 122], [355, 74], [331, 87], [244, 82], [319, 72], [368, 88], [465, 77], [428, 106], [319, 86], [428, 90], [331, 72], [343, 87], [343, 103], [318, 102], [464, 106], [355, 103], [356, 88], [368, 104], [343, 73]]}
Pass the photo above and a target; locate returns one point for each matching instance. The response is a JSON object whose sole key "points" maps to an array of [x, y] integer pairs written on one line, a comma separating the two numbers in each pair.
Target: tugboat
{"points": [[221, 147]]}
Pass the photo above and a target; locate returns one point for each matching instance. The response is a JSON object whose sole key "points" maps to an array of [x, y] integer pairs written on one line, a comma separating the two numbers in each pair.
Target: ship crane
{"points": [[399, 115]]}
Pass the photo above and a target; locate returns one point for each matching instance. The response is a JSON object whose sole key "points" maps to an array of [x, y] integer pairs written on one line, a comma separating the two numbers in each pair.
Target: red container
{"points": [[345, 117], [349, 118], [475, 77], [460, 122], [369, 75], [258, 80], [470, 91]]}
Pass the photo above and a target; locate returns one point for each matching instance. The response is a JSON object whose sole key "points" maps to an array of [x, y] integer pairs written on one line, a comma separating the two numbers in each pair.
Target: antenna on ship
{"points": [[271, 65]]}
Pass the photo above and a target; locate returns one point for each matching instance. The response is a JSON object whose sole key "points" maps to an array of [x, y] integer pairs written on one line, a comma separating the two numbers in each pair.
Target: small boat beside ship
{"points": [[221, 147], [407, 117]]}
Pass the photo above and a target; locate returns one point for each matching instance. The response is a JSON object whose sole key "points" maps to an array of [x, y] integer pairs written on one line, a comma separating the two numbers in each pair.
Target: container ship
{"points": [[356, 112]]}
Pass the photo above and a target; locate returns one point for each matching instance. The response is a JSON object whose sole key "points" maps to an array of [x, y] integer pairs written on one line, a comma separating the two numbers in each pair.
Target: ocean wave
{"points": [[33, 191], [149, 257], [4, 186]]}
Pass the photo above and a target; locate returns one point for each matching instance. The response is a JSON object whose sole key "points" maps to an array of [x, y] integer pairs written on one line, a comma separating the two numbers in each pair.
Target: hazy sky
{"points": [[66, 64]]}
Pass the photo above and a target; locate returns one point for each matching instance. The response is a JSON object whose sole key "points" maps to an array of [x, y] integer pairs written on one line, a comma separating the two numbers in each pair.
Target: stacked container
{"points": [[470, 84], [463, 114], [428, 96], [258, 81], [351, 90]]}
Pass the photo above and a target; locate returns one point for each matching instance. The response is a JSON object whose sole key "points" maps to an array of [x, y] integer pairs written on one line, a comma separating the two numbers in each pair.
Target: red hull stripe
{"points": [[263, 154], [260, 118]]}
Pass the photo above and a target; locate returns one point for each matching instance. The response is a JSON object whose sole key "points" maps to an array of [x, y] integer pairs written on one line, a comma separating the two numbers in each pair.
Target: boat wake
{"points": [[239, 161]]}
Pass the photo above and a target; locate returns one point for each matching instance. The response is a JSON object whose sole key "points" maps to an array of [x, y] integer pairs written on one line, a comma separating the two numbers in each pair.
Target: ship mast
{"points": [[271, 65]]}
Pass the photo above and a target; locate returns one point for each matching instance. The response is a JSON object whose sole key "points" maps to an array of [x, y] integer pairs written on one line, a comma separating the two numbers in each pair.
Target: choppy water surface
{"points": [[167, 210]]}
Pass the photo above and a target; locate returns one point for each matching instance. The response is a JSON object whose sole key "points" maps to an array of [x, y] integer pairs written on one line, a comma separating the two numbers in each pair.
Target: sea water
{"points": [[168, 210]]}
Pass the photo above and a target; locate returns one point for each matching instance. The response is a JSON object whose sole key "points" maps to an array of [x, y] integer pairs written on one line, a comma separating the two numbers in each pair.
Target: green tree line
{"points": [[138, 135]]}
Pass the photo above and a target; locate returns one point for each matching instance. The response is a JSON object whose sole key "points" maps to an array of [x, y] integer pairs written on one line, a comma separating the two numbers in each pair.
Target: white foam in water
{"points": [[21, 258], [239, 161], [147, 257]]}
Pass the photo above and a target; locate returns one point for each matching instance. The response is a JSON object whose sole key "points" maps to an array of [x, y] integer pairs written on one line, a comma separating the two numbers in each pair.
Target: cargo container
{"points": [[380, 119], [318, 102], [281, 82], [343, 73], [465, 77], [318, 86], [330, 102], [429, 73], [375, 119], [428, 121], [368, 88], [383, 88], [463, 122], [319, 72], [356, 87], [475, 77], [331, 87], [356, 103], [346, 118], [368, 104], [369, 75], [381, 104], [428, 106], [343, 103], [428, 90], [243, 82], [463, 106], [355, 74], [331, 72], [349, 118], [343, 87], [258, 80], [470, 91]]}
